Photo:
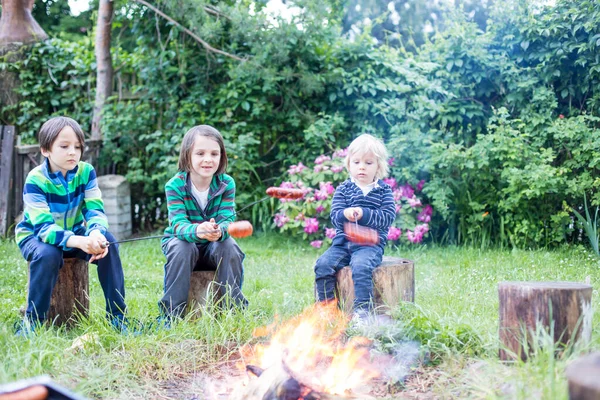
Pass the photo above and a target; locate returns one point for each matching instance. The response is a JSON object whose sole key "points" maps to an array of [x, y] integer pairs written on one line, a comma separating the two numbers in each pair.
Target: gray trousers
{"points": [[183, 257]]}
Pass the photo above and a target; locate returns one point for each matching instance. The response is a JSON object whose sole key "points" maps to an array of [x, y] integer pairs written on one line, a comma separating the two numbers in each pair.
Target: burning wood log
{"points": [[583, 378], [278, 383], [393, 282], [561, 308]]}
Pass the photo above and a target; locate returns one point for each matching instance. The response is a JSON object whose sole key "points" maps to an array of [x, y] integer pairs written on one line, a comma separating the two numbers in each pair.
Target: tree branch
{"points": [[192, 34]]}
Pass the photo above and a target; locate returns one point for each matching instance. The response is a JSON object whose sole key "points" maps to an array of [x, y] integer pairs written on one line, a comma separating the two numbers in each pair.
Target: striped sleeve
{"points": [[179, 221], [226, 213], [93, 206], [338, 205], [382, 217], [36, 206]]}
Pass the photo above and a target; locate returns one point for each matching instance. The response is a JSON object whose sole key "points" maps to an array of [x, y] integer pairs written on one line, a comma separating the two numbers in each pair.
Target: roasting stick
{"points": [[241, 228], [107, 243]]}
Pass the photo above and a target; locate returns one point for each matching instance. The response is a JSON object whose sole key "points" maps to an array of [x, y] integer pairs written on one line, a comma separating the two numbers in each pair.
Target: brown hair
{"points": [[51, 128], [187, 145]]}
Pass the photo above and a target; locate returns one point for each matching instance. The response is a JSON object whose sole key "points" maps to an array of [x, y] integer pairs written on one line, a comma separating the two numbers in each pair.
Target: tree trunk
{"points": [[70, 296], [17, 28], [104, 66], [583, 378], [203, 291], [393, 282], [562, 309], [17, 25]]}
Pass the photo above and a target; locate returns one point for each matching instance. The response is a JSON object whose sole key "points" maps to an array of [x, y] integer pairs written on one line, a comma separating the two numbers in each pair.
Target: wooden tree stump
{"points": [[70, 295], [583, 377], [203, 290], [393, 282], [563, 309]]}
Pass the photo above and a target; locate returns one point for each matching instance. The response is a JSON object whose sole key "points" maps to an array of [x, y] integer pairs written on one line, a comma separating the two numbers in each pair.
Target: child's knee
{"points": [[51, 255]]}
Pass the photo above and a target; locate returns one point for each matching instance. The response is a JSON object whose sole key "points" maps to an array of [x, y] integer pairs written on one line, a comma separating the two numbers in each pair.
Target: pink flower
{"points": [[320, 209], [391, 161], [287, 185], [398, 208], [422, 229], [428, 210], [321, 159], [296, 169], [423, 217], [316, 244], [281, 219], [311, 225], [317, 168], [330, 233], [320, 195], [392, 182], [327, 187], [407, 191], [394, 233], [337, 168], [414, 202], [420, 185], [340, 153]]}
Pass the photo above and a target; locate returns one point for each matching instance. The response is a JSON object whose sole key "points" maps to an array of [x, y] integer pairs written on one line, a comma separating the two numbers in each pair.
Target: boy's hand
{"points": [[89, 244], [353, 214], [209, 230], [101, 242]]}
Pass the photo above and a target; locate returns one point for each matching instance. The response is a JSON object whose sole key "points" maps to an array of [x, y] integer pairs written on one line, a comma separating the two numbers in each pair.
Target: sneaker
{"points": [[163, 322], [24, 328], [126, 326]]}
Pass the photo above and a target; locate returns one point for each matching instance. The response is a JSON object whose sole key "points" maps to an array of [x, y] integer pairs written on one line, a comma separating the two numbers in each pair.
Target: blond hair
{"points": [[366, 143]]}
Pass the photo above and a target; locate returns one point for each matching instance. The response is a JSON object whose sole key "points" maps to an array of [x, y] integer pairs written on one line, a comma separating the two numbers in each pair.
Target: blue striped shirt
{"points": [[379, 208]]}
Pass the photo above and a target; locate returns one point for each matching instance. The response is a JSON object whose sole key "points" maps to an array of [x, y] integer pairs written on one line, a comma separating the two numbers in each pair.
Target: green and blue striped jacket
{"points": [[185, 213], [55, 207]]}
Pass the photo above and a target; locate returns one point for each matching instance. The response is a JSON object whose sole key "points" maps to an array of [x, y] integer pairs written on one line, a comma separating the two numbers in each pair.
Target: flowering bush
{"points": [[310, 215]]}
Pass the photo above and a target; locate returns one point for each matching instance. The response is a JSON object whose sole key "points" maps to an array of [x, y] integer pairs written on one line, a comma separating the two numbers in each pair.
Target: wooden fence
{"points": [[16, 164]]}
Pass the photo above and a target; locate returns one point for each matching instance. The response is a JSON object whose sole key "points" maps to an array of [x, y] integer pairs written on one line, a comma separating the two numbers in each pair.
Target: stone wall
{"points": [[117, 204]]}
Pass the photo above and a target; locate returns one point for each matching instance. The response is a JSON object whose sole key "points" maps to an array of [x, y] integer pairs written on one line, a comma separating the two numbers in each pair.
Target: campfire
{"points": [[307, 358]]}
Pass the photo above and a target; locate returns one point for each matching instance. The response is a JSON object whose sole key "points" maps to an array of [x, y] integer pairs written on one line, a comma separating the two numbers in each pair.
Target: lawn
{"points": [[454, 324]]}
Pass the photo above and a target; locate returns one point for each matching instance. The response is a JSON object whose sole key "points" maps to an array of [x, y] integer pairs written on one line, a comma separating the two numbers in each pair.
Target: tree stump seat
{"points": [[70, 296], [583, 375], [561, 309], [393, 282], [202, 291]]}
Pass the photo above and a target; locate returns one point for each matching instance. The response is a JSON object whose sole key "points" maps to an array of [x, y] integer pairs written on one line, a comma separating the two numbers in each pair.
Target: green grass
{"points": [[454, 319]]}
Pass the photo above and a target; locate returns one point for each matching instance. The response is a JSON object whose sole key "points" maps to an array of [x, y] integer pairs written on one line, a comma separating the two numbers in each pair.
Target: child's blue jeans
{"points": [[362, 260], [45, 262]]}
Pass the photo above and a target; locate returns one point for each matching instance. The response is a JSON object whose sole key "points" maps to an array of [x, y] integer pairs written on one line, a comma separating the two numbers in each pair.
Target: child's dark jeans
{"points": [[362, 261], [45, 262]]}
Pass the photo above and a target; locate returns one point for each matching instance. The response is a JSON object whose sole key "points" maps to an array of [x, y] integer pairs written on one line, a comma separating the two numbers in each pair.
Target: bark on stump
{"points": [[393, 282], [583, 378], [203, 291], [70, 294], [562, 309]]}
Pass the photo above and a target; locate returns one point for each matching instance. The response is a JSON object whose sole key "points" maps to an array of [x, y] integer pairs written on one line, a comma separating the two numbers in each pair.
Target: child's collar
{"points": [[57, 174], [371, 185]]}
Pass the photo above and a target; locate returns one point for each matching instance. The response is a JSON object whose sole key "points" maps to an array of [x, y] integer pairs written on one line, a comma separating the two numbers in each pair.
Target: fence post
{"points": [[7, 134]]}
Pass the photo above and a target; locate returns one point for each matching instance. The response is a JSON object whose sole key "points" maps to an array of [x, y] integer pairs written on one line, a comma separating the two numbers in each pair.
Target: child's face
{"points": [[206, 155], [363, 167], [65, 152]]}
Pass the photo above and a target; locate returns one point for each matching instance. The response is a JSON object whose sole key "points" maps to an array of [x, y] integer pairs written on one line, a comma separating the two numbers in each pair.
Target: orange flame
{"points": [[312, 346]]}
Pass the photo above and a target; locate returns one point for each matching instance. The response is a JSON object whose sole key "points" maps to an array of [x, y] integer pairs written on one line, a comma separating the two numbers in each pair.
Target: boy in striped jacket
{"points": [[64, 217], [200, 202], [366, 200]]}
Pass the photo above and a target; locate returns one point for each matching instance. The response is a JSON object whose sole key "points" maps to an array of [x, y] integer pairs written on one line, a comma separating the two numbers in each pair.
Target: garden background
{"points": [[490, 111]]}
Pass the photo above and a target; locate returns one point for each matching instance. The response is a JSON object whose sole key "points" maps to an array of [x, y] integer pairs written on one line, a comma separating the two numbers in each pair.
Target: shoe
{"points": [[126, 326], [163, 322], [24, 328]]}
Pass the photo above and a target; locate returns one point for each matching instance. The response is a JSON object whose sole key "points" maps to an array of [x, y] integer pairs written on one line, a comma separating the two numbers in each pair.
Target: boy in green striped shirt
{"points": [[64, 217]]}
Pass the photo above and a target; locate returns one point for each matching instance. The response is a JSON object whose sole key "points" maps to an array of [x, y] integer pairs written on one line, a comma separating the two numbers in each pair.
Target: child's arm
{"points": [[93, 206], [183, 228], [45, 229], [382, 217], [226, 214], [338, 205]]}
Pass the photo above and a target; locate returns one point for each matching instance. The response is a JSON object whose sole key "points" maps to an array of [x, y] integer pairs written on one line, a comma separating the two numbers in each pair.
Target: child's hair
{"points": [[367, 143], [185, 154], [51, 128]]}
